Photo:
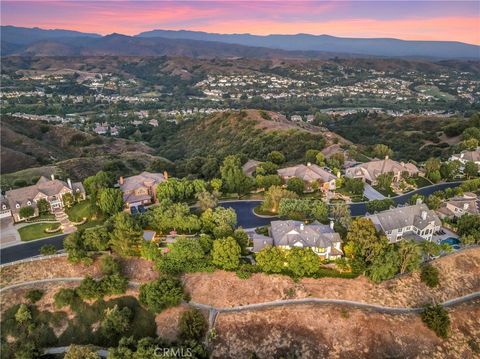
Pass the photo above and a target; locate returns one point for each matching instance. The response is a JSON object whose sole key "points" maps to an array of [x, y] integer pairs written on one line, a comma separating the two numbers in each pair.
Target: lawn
{"points": [[36, 231], [80, 211], [422, 182], [386, 193], [261, 212]]}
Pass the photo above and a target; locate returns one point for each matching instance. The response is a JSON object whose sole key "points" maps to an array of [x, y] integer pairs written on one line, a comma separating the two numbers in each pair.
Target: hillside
{"points": [[63, 150], [250, 133]]}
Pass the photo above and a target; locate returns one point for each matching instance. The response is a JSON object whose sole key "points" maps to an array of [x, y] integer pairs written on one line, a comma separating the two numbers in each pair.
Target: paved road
{"points": [[28, 249], [246, 219]]}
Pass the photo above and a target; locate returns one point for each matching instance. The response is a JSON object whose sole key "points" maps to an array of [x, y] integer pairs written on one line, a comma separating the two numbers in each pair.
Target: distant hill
{"points": [[23, 36], [39, 42], [305, 42]]}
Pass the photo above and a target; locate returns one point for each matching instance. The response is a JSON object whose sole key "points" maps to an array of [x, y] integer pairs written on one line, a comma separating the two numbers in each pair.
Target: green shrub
{"points": [[165, 292], [429, 275], [436, 318], [109, 265], [64, 297], [89, 288], [192, 325], [48, 250], [246, 270], [34, 295], [113, 284]]}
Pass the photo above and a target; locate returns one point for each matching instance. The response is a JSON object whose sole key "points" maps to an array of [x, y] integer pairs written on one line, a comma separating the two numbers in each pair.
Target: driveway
{"points": [[371, 193], [8, 233]]}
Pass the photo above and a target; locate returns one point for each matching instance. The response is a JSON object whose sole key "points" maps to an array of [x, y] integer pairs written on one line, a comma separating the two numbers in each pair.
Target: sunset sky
{"points": [[411, 20]]}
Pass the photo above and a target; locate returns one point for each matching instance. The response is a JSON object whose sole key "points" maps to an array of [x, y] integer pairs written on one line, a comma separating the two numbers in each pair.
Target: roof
{"points": [[371, 170], [402, 217], [250, 166], [149, 235], [24, 196], [260, 241], [144, 179], [469, 155], [296, 233], [307, 173]]}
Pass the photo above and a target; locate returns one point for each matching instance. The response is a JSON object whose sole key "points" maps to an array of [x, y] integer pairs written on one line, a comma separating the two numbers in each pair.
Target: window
{"points": [[29, 203], [4, 207], [17, 206]]}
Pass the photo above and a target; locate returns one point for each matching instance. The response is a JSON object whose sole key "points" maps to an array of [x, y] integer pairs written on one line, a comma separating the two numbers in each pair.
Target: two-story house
{"points": [[310, 173], [322, 239], [141, 189], [52, 190], [409, 222], [466, 156], [370, 171], [460, 205]]}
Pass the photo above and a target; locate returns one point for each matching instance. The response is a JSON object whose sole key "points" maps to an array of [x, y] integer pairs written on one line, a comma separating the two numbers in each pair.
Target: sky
{"points": [[410, 20]]}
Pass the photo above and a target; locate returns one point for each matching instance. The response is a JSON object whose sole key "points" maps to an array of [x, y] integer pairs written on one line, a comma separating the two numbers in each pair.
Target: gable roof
{"points": [[371, 170], [308, 173], [469, 155], [250, 166], [144, 179], [292, 233], [402, 217]]}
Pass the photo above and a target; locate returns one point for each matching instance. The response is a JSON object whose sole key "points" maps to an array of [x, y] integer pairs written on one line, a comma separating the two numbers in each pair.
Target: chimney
{"points": [[332, 224], [165, 174], [302, 226], [52, 176], [424, 215], [121, 180], [69, 183]]}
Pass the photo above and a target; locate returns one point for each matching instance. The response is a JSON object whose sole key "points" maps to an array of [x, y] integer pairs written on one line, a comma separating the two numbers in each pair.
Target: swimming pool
{"points": [[451, 241]]}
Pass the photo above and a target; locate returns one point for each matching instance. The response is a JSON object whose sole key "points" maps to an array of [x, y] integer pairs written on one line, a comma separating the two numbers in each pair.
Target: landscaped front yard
{"points": [[36, 231]]}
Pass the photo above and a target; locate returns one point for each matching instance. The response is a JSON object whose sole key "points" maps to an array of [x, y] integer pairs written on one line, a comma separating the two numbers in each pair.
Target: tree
{"points": [[89, 288], [311, 156], [268, 181], [48, 249], [296, 185], [168, 216], [216, 184], [23, 314], [266, 168], [354, 186], [68, 200], [471, 169], [165, 292], [43, 205], [96, 239], [319, 211], [75, 247], [109, 265], [276, 157], [220, 222], [110, 201], [94, 183], [433, 202], [302, 262], [271, 259], [234, 180], [340, 212], [409, 253], [116, 322], [64, 297], [226, 253], [429, 275], [272, 197], [471, 133], [436, 318], [468, 227], [185, 255], [34, 295], [320, 159], [242, 239], [432, 165], [378, 205], [192, 325], [449, 170], [384, 264], [206, 200], [384, 180], [435, 176], [126, 237], [26, 212], [381, 151], [80, 352]]}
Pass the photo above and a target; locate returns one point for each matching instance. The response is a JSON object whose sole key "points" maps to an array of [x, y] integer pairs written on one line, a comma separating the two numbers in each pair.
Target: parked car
{"points": [[133, 210]]}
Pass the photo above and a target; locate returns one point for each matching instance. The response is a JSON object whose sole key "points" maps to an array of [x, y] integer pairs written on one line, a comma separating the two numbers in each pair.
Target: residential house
{"points": [[466, 156], [5, 211], [250, 167], [409, 222], [458, 206], [322, 239], [309, 174], [52, 190], [141, 189], [370, 171], [296, 118]]}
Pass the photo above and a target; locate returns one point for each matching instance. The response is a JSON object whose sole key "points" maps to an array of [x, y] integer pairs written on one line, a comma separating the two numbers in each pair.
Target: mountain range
{"points": [[39, 42]]}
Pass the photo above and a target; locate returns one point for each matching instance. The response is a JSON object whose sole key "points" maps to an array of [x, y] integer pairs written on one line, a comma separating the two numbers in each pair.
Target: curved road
{"points": [[243, 208]]}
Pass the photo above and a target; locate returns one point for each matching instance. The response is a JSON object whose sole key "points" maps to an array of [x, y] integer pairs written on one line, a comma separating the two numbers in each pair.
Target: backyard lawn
{"points": [[80, 211], [36, 231]]}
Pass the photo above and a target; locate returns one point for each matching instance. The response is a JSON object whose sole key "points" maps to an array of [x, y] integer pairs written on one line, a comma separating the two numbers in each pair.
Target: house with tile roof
{"points": [[410, 222], [457, 206], [370, 171], [310, 173], [466, 156], [52, 190], [322, 239], [141, 189], [250, 167]]}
